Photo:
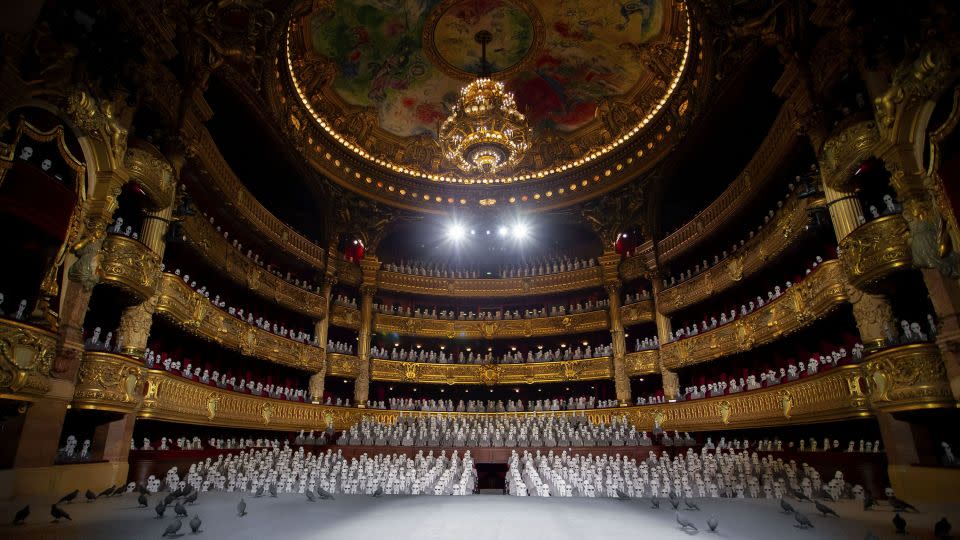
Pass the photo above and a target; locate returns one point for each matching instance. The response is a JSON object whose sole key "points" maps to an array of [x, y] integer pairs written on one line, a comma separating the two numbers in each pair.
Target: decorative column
{"points": [[369, 267], [671, 383], [321, 329], [609, 264]]}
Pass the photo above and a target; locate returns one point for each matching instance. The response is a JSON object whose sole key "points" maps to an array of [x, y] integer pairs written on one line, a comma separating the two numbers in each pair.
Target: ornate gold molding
{"points": [[517, 328], [491, 288], [642, 362], [844, 151], [195, 314], [908, 377], [203, 238], [343, 365], [147, 166], [875, 250], [798, 307], [26, 358], [108, 381], [759, 251], [348, 273], [492, 374], [637, 312], [129, 265], [345, 317]]}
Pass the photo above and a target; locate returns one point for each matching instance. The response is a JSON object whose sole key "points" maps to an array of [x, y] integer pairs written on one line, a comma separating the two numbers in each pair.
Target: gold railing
{"points": [[492, 374], [517, 328], [26, 359], [798, 307], [129, 265], [110, 382], [763, 248], [642, 362], [637, 312], [203, 238], [151, 171], [195, 314], [845, 150], [348, 273], [908, 377], [875, 250], [491, 288], [345, 317], [342, 365]]}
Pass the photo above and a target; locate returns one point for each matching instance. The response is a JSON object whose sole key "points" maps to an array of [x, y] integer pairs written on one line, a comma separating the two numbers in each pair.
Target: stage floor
{"points": [[461, 518]]}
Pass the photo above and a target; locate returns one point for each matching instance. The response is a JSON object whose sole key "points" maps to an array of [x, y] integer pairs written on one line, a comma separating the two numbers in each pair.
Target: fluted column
{"points": [[609, 267], [321, 329], [361, 386], [671, 384]]}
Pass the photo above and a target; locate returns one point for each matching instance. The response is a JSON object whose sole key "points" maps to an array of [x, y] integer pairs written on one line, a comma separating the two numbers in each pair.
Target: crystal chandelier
{"points": [[485, 133]]}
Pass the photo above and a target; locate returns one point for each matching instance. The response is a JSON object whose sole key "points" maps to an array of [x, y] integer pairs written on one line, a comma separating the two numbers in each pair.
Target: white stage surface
{"points": [[461, 518]]}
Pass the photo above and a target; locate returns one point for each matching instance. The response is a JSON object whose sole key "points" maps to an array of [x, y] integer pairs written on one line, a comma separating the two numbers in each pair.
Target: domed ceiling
{"points": [[365, 85]]}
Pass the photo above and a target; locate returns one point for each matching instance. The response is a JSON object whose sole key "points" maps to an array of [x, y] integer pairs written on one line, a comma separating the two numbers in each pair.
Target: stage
{"points": [[461, 518]]}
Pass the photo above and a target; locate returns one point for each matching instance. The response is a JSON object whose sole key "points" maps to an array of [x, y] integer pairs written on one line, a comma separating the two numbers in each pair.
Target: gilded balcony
{"points": [[845, 150], [517, 328], [343, 365], [205, 240], [345, 317], [491, 288], [148, 167], [875, 250], [129, 265], [26, 360], [762, 249], [907, 378], [492, 374], [110, 382], [643, 363], [799, 306], [348, 273], [197, 315], [637, 312]]}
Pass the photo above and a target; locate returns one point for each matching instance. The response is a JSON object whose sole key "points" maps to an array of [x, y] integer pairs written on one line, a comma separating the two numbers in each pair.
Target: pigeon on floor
{"points": [[192, 497], [713, 522], [69, 497], [310, 496], [654, 502], [378, 492], [142, 489], [787, 507], [273, 490], [324, 494], [195, 524], [901, 505], [690, 505], [21, 516], [868, 501], [107, 492], [168, 500], [259, 492], [90, 495], [58, 513], [173, 528], [241, 508], [675, 503], [900, 524], [160, 509], [622, 496], [798, 495], [142, 500], [685, 524], [180, 510], [177, 493], [803, 522], [824, 509], [942, 528]]}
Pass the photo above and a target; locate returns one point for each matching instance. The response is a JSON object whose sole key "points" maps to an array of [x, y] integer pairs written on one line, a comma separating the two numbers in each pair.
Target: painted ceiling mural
{"points": [[564, 59]]}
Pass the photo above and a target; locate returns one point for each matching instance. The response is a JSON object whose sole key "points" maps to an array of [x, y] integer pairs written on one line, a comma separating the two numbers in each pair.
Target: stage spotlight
{"points": [[456, 232], [520, 231], [503, 230]]}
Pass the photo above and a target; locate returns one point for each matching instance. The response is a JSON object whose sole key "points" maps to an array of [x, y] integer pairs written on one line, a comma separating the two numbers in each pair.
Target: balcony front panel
{"points": [[491, 288], [637, 312], [908, 377], [204, 238], [196, 315], [109, 381], [492, 374], [875, 250], [345, 317], [342, 365], [26, 360], [763, 248], [129, 265], [518, 328], [643, 363], [802, 304]]}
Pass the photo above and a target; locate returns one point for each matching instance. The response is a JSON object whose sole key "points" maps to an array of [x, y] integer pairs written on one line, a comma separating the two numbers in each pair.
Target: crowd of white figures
{"points": [[492, 315], [509, 357], [538, 267], [117, 228], [164, 444], [499, 406], [496, 432], [709, 473], [284, 470]]}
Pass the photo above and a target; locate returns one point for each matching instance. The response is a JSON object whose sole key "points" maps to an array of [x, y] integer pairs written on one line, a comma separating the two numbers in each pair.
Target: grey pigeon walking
{"points": [[107, 492], [58, 513], [900, 524], [273, 489], [310, 496], [90, 495], [654, 502], [191, 498], [824, 509], [142, 500], [21, 516], [173, 528], [69, 497], [378, 492], [160, 508], [622, 496], [168, 500], [713, 522], [901, 505], [180, 510], [195, 524], [259, 492], [787, 507], [690, 505], [242, 507], [797, 494], [685, 523], [324, 494], [803, 522]]}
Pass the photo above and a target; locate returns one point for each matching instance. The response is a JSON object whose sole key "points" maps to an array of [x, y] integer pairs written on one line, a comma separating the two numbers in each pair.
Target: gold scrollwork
{"points": [[876, 249], [491, 288], [109, 381], [909, 376], [130, 265], [844, 151], [26, 358]]}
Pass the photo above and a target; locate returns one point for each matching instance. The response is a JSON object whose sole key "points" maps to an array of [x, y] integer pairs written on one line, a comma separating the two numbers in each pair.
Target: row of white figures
{"points": [[339, 402], [255, 258], [287, 471], [98, 342], [69, 451], [911, 332], [155, 360], [491, 406], [497, 432], [118, 228], [339, 347], [646, 344], [551, 265], [709, 473], [772, 377], [46, 164], [890, 206], [344, 300], [745, 309], [706, 264], [492, 315], [21, 311], [194, 443], [247, 316], [510, 357]]}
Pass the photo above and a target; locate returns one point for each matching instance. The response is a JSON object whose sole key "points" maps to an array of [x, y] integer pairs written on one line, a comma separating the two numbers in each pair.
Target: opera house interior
{"points": [[479, 268]]}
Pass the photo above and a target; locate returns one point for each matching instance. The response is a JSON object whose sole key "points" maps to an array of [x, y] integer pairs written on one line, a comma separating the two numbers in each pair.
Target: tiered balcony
{"points": [[129, 265], [876, 250], [516, 328], [493, 287]]}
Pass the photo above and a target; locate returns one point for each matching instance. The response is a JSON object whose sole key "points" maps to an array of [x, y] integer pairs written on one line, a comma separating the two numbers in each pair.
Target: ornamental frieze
{"points": [[128, 264], [26, 358], [491, 288]]}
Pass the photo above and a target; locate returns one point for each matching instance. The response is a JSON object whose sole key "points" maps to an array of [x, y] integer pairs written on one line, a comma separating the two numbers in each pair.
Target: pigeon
{"points": [[69, 497], [195, 524], [900, 524], [787, 507], [798, 495], [90, 495], [142, 489], [21, 516], [180, 510], [273, 490], [259, 492], [192, 497], [684, 523], [177, 493], [654, 502], [802, 520], [173, 528], [169, 499], [310, 496], [690, 505], [324, 494], [824, 509], [675, 503], [58, 513], [622, 496], [868, 501], [712, 522], [378, 492], [107, 492], [942, 528], [160, 508], [901, 505], [242, 507], [142, 500]]}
